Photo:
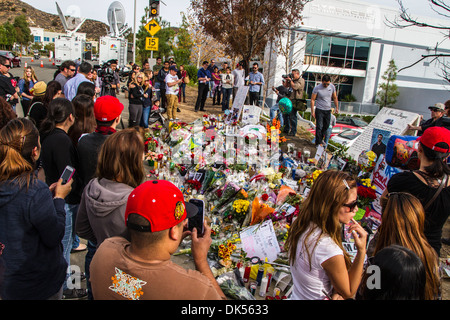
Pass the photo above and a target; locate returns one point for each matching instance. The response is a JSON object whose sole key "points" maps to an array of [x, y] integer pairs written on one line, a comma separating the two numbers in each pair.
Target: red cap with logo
{"points": [[161, 203], [107, 108], [437, 139]]}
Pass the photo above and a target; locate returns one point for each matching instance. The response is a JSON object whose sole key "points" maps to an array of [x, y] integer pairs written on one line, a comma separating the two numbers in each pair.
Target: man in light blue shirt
{"points": [[256, 80], [71, 86]]}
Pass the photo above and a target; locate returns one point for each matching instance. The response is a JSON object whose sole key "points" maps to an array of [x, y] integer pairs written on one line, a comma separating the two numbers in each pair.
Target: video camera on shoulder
{"points": [[106, 73]]}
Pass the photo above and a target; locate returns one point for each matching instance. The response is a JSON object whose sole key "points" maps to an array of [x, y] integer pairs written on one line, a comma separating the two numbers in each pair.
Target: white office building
{"points": [[352, 42]]}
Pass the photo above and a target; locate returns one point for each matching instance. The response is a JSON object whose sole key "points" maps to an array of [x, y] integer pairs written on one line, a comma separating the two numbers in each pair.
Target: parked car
{"points": [[337, 129], [351, 121], [14, 60], [347, 137]]}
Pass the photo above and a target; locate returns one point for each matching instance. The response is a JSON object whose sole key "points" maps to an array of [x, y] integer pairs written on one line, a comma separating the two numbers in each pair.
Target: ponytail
{"points": [[59, 110], [17, 141]]}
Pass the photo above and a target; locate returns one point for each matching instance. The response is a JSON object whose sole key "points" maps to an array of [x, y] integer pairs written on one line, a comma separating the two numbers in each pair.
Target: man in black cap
{"points": [[436, 120], [172, 88]]}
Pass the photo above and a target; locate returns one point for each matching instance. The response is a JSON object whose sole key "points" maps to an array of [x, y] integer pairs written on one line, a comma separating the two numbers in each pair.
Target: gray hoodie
{"points": [[102, 210]]}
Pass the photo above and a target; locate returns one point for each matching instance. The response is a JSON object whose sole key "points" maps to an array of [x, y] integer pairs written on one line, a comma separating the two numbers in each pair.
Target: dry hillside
{"points": [[9, 9]]}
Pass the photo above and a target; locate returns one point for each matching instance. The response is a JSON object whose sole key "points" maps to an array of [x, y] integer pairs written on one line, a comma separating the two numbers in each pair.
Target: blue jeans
{"points": [[91, 249], [226, 98], [323, 118], [144, 118], [290, 121], [273, 113], [71, 210], [157, 87], [182, 91]]}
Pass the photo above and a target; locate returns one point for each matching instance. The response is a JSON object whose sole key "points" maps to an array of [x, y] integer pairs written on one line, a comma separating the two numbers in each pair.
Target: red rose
{"points": [[265, 196]]}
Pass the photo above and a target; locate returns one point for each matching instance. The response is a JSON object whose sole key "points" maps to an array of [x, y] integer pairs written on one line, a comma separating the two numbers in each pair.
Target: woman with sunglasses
{"points": [[135, 99], [320, 266], [403, 220]]}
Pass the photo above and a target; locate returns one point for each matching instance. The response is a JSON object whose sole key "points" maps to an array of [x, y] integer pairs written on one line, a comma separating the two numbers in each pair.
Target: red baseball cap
{"points": [[161, 203], [437, 139], [107, 108]]}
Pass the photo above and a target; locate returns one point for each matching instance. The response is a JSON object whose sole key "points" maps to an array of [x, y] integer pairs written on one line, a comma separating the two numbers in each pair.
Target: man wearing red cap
{"points": [[107, 111], [140, 268]]}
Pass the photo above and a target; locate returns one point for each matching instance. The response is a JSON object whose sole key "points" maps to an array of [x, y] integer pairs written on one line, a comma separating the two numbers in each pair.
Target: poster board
{"points": [[260, 241], [390, 122], [238, 104], [251, 114]]}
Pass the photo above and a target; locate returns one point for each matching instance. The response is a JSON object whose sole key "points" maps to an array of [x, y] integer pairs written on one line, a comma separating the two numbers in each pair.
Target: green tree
{"points": [[23, 32], [388, 90], [184, 43], [7, 35]]}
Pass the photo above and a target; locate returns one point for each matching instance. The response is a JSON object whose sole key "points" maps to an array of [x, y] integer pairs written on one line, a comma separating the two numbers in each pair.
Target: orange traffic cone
{"points": [[32, 59], [42, 64], [25, 65]]}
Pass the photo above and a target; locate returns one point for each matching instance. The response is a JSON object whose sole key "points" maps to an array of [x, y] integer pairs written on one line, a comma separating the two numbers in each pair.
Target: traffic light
{"points": [[154, 8]]}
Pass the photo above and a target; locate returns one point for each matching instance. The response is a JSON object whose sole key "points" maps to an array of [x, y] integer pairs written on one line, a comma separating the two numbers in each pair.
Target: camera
{"points": [[107, 76], [289, 75], [106, 73]]}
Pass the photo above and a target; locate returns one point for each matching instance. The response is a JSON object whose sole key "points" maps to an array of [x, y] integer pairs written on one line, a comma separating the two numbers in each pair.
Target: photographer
{"points": [[7, 89], [281, 91], [297, 84], [109, 79]]}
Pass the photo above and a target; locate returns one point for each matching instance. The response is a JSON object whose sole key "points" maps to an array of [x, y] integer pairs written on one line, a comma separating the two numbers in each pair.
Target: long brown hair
{"points": [[17, 140], [84, 117], [121, 158], [328, 193], [403, 220]]}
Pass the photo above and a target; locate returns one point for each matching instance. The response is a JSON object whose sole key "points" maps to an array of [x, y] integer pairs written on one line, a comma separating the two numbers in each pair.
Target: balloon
{"points": [[367, 160], [285, 105]]}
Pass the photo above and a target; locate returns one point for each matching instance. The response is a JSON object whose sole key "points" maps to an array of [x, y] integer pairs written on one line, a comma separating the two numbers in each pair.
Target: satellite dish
{"points": [[116, 17]]}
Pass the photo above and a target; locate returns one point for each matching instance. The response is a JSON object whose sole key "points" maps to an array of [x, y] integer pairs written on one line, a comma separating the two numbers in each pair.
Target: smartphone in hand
{"points": [[197, 220], [67, 174]]}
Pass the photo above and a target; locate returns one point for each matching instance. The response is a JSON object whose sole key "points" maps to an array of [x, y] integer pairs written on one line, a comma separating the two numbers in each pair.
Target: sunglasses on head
{"points": [[351, 205]]}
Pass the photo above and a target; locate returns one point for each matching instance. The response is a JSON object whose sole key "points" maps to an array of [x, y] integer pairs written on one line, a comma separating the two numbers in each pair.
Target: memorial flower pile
{"points": [[225, 165]]}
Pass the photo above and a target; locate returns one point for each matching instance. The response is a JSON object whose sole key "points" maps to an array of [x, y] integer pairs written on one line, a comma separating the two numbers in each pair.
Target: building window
{"points": [[46, 39], [37, 39], [336, 52]]}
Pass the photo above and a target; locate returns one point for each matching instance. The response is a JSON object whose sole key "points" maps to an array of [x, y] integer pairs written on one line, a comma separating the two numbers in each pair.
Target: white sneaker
{"points": [[170, 119]]}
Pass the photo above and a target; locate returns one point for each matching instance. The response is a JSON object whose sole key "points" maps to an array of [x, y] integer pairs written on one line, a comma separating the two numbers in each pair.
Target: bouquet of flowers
{"points": [[366, 192], [193, 184]]}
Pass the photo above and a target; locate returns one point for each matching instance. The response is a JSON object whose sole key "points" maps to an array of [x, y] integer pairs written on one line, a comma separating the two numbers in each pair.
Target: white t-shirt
{"points": [[308, 284], [173, 89]]}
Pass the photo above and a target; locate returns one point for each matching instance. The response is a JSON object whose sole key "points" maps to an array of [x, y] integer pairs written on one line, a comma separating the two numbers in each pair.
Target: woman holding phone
{"points": [[32, 219], [320, 266], [58, 152]]}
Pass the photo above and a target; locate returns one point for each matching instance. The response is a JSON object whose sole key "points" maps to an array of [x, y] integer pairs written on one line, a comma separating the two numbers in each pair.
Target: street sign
{"points": [[152, 44], [153, 27]]}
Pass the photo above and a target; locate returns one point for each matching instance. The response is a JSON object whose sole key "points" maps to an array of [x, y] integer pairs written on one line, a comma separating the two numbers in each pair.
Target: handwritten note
{"points": [[260, 241]]}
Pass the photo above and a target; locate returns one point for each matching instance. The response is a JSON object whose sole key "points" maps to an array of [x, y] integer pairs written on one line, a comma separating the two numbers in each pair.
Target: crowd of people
{"points": [[133, 226]]}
